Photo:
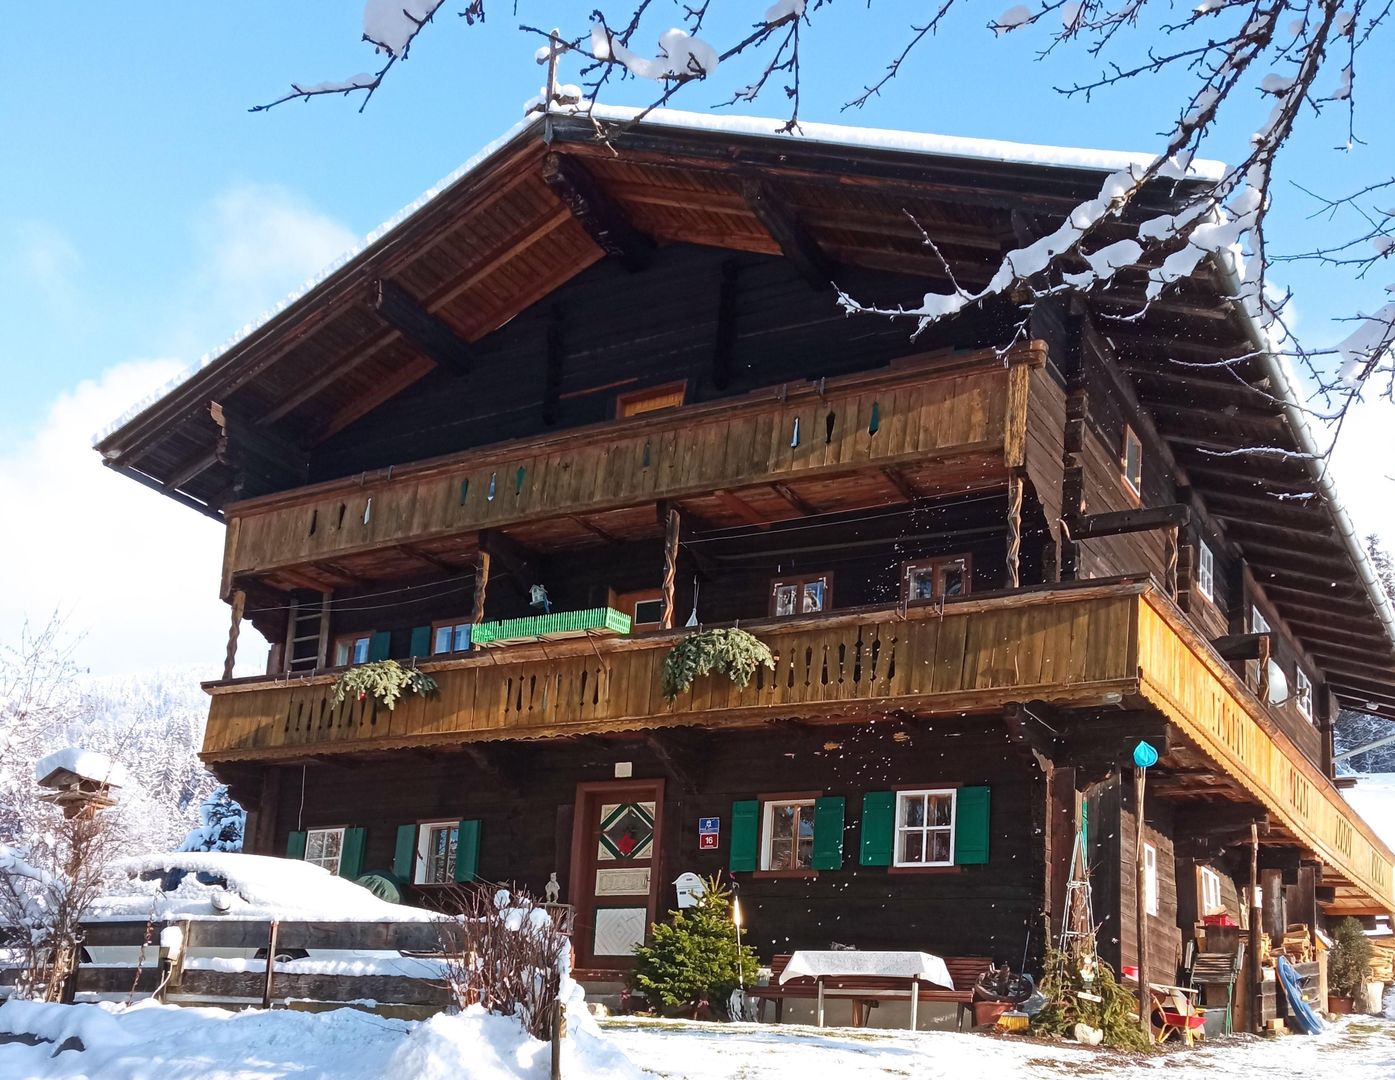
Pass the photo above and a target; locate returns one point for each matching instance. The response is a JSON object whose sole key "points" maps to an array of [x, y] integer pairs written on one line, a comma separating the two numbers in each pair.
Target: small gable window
{"points": [[1303, 693], [1132, 461], [1211, 892], [352, 649], [1150, 879], [448, 637], [1205, 571], [935, 579], [651, 399], [801, 595]]}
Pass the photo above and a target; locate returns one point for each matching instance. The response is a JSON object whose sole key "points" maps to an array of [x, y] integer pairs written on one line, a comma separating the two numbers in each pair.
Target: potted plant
{"points": [[1346, 965]]}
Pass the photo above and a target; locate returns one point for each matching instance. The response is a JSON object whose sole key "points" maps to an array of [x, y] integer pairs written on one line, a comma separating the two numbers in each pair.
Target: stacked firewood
{"points": [[1298, 943], [1382, 965]]}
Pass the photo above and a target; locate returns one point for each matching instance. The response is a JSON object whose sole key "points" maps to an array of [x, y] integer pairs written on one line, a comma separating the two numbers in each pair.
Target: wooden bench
{"points": [[867, 991]]}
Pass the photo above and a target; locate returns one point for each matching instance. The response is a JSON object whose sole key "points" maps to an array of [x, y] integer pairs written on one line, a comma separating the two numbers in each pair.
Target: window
{"points": [[801, 595], [352, 649], [1211, 892], [450, 637], [323, 848], [924, 828], [1205, 571], [1258, 623], [436, 847], [651, 399], [644, 607], [1303, 693], [1132, 461], [1150, 879], [787, 835], [935, 579]]}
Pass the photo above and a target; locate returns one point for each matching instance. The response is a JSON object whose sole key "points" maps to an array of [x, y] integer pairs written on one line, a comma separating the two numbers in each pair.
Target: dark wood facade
{"points": [[450, 420]]}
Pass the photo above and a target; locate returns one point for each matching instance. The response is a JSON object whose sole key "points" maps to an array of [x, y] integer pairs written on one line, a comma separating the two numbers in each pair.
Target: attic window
{"points": [[1303, 693], [651, 399], [1132, 461], [1205, 570]]}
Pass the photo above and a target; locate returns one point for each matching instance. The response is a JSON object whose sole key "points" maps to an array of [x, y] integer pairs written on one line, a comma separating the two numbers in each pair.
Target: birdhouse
{"points": [[80, 780]]}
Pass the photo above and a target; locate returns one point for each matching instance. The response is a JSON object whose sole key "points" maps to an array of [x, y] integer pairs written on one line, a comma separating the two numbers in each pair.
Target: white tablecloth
{"points": [[835, 963]]}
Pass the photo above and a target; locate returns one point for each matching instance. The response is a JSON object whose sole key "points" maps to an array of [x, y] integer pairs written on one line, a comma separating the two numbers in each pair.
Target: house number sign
{"points": [[709, 829]]}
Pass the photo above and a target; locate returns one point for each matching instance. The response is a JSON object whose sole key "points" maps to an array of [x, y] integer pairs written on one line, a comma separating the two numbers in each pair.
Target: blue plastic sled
{"points": [[1308, 1021]]}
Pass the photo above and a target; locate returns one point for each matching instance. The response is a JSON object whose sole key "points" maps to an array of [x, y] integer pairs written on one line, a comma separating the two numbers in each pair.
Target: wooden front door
{"points": [[615, 869]]}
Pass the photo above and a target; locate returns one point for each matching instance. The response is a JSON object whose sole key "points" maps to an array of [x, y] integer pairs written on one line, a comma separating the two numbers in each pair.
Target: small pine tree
{"points": [[221, 823], [1349, 960], [694, 962]]}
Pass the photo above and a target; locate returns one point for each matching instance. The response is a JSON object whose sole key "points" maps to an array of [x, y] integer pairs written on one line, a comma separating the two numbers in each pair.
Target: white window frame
{"points": [[1210, 892], [1205, 570], [420, 868], [1150, 878], [1135, 483], [1303, 692], [767, 827], [353, 645], [320, 836], [925, 830], [451, 628], [1258, 623]]}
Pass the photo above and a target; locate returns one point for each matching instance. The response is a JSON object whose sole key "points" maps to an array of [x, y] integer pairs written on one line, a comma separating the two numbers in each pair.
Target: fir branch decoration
{"points": [[734, 653], [385, 680]]}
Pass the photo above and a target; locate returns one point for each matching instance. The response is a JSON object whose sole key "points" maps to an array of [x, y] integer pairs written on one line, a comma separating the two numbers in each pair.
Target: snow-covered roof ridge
{"points": [[90, 765], [809, 133]]}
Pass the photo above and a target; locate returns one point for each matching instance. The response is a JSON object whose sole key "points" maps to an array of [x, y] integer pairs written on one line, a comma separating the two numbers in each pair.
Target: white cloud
{"points": [[1364, 467], [135, 571]]}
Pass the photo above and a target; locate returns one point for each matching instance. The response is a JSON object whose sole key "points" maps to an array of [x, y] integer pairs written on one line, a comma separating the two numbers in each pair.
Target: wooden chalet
{"points": [[987, 562]]}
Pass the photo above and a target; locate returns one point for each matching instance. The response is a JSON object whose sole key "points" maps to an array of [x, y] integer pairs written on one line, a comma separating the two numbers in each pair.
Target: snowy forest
{"points": [[150, 723]]}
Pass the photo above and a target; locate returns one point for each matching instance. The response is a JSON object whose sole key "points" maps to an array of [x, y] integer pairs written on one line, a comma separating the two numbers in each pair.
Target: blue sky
{"points": [[145, 214]]}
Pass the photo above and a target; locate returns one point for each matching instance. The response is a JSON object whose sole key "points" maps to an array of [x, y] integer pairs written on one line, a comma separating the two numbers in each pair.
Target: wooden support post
{"points": [[481, 584], [915, 1003], [1170, 561], [288, 656], [559, 1029], [270, 962], [1145, 999], [1014, 529], [672, 528], [239, 605], [1256, 970], [322, 646], [1262, 678]]}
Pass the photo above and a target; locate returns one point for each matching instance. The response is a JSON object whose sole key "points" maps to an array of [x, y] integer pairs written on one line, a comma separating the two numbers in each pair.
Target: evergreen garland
{"points": [[735, 653], [385, 680], [693, 963]]}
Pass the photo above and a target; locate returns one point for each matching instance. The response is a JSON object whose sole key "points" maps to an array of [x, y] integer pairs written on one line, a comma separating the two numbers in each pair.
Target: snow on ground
{"points": [[149, 1041], [258, 887], [1373, 797]]}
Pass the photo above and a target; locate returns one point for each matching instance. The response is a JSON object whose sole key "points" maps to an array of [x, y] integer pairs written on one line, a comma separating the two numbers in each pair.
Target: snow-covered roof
{"points": [[87, 764], [809, 134], [261, 887]]}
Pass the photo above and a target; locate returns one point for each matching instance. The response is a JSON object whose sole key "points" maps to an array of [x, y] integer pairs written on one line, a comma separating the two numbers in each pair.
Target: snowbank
{"points": [[173, 1043], [1373, 798], [87, 764], [258, 886]]}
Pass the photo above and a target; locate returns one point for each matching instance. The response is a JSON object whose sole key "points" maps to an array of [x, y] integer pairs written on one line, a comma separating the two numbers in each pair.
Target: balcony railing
{"points": [[971, 407], [1091, 644]]}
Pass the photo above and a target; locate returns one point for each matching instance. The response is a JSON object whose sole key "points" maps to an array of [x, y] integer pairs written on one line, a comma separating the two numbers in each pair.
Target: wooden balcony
{"points": [[930, 426], [1088, 646]]}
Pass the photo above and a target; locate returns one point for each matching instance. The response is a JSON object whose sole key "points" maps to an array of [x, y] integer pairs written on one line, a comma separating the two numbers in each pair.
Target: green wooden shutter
{"points": [[745, 835], [878, 828], [828, 832], [421, 641], [295, 845], [971, 826], [405, 853], [380, 645], [467, 851], [351, 854]]}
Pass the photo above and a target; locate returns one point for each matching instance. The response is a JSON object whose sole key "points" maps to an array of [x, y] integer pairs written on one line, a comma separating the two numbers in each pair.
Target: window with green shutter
{"points": [[878, 828], [380, 646], [745, 835], [351, 853], [828, 832], [971, 826], [421, 641], [404, 852], [467, 851]]}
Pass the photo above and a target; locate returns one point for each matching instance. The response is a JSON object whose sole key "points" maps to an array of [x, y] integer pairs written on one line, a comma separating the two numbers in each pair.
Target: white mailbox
{"points": [[690, 889]]}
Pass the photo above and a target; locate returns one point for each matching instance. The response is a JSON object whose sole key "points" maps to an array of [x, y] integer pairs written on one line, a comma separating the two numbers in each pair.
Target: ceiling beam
{"points": [[428, 334], [602, 218], [1144, 519], [783, 490], [812, 262]]}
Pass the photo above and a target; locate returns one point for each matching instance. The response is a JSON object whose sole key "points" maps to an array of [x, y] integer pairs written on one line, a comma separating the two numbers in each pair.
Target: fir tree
{"points": [[221, 822], [694, 962]]}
